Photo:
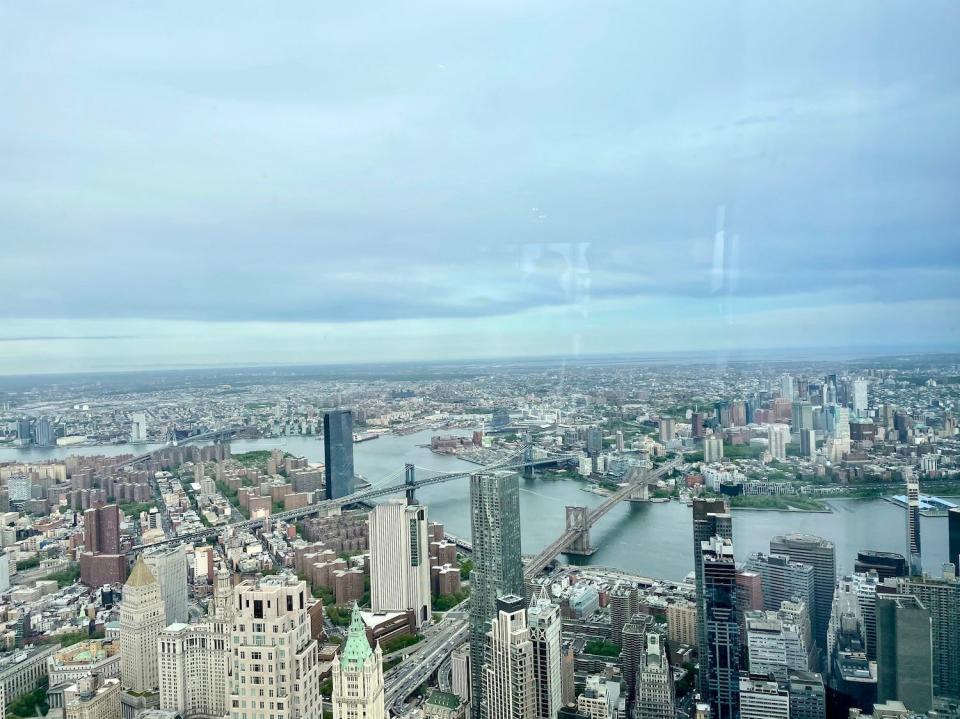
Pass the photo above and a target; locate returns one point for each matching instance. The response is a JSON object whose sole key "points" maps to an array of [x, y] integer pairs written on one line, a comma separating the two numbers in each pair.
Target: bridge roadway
{"points": [[635, 478], [512, 462]]}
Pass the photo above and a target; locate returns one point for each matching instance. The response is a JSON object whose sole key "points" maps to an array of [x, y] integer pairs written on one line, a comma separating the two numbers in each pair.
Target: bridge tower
{"points": [[641, 490], [409, 478], [577, 521], [527, 455]]}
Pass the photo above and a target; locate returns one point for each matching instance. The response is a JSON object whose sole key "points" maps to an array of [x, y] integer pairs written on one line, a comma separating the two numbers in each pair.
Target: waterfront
{"points": [[650, 539]]}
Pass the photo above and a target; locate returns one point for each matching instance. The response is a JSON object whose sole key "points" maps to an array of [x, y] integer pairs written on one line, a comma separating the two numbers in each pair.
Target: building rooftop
{"points": [[444, 699]]}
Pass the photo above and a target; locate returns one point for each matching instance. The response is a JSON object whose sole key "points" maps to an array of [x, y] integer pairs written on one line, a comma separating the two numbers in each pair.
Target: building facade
{"points": [[358, 676], [400, 560], [141, 620], [508, 675], [338, 452]]}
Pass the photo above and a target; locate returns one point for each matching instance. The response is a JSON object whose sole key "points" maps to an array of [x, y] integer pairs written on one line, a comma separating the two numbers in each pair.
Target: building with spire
{"points": [[358, 675], [141, 620], [543, 618]]}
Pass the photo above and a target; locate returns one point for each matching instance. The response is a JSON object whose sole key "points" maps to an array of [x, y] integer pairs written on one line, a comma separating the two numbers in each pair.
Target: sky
{"points": [[221, 183]]}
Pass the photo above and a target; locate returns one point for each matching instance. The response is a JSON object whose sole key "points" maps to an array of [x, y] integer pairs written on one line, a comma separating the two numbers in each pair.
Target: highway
{"points": [[401, 681]]}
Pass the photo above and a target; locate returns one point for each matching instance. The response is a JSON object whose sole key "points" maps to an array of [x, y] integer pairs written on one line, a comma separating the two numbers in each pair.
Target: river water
{"points": [[651, 539]]}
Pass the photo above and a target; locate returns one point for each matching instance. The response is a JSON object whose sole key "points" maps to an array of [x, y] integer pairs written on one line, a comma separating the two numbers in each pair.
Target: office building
{"points": [[169, 565], [400, 560], [543, 619], [508, 675], [712, 449], [953, 537], [808, 697], [141, 619], [138, 427], [711, 518], [821, 555], [358, 676], [497, 569], [913, 523], [270, 637], [864, 586], [655, 698], [721, 661], [195, 669], [801, 415], [92, 697], [886, 564], [599, 698], [786, 387], [775, 647], [904, 652], [338, 452], [784, 580], [761, 698], [808, 443], [941, 597]]}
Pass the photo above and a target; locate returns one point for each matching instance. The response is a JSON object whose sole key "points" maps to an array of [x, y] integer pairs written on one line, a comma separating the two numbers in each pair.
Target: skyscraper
{"points": [[655, 691], [953, 539], [941, 597], [774, 645], [623, 605], [859, 400], [195, 668], [808, 698], [783, 580], [543, 618], [904, 653], [634, 639], [358, 676], [712, 449], [138, 427], [721, 660], [711, 517], [270, 637], [886, 564], [141, 619], [808, 443], [508, 676], [497, 569], [913, 523], [338, 452], [169, 565], [400, 560], [43, 434], [821, 555], [761, 698], [786, 386]]}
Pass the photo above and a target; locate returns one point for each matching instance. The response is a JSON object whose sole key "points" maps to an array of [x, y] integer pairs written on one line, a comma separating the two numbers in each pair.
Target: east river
{"points": [[650, 539]]}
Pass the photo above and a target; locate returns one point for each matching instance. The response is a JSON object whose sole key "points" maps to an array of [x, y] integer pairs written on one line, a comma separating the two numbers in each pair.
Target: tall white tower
{"points": [[543, 618], [913, 522], [141, 619], [358, 676], [138, 427], [400, 560], [509, 691]]}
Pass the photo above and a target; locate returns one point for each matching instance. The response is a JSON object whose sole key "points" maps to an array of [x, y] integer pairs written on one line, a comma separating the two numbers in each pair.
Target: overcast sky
{"points": [[207, 183]]}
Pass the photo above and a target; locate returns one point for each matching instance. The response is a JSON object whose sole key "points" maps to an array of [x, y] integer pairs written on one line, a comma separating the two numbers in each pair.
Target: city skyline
{"points": [[475, 182]]}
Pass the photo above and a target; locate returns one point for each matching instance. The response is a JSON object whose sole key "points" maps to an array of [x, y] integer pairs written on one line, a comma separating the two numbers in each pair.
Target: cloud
{"points": [[432, 161]]}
